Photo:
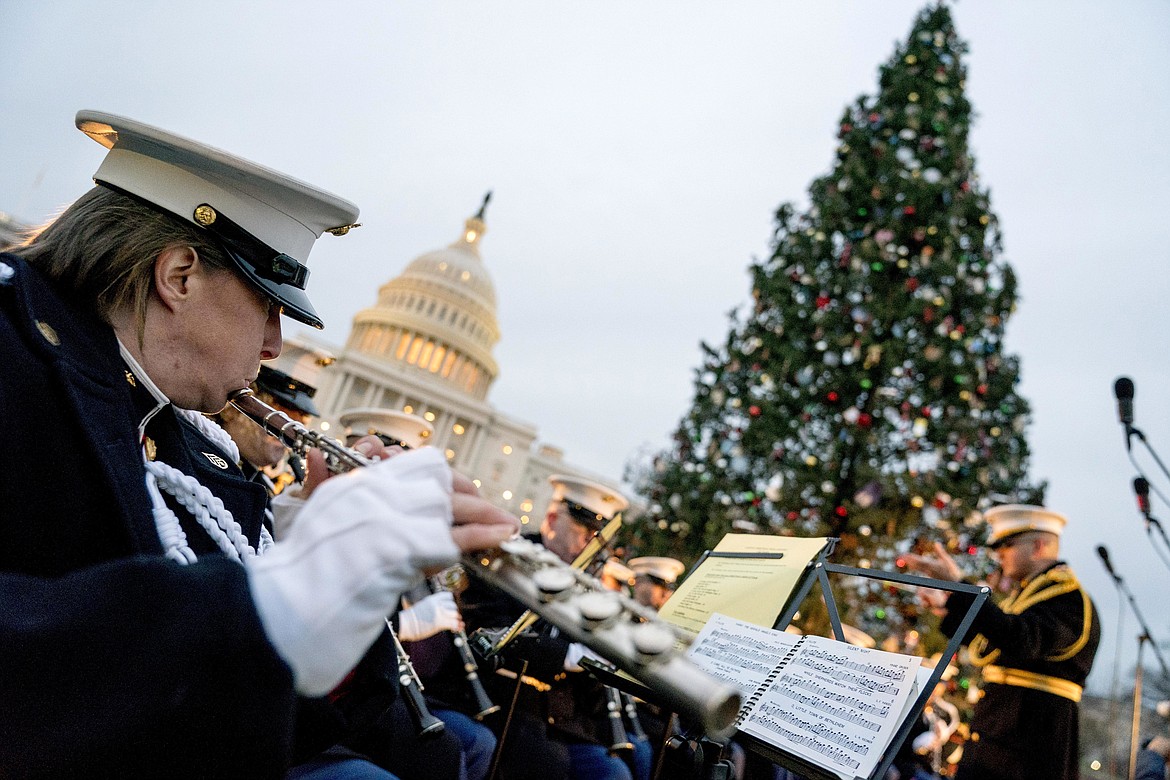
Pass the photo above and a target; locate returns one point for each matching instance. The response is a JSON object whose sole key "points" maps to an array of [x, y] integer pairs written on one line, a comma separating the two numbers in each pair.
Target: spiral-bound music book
{"points": [[833, 705]]}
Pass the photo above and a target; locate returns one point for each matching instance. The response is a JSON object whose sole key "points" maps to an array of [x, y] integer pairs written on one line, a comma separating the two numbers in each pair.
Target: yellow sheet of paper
{"points": [[753, 590]]}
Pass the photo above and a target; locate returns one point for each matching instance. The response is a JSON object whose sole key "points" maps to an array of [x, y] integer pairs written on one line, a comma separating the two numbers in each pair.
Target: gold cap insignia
{"points": [[216, 461], [205, 215], [47, 331], [341, 231]]}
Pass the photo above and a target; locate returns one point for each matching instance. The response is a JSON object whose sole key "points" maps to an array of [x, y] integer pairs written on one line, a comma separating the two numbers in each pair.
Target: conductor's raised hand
{"points": [[940, 565]]}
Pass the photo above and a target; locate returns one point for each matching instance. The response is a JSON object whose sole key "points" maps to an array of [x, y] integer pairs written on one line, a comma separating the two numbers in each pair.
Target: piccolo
{"points": [[614, 626]]}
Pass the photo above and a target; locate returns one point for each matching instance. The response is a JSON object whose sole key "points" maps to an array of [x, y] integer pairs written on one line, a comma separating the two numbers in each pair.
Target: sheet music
{"points": [[835, 704], [739, 653]]}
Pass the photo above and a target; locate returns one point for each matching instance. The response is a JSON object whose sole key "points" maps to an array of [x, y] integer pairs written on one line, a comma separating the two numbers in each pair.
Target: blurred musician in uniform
{"points": [[655, 579], [427, 620], [261, 452], [559, 727], [1036, 648]]}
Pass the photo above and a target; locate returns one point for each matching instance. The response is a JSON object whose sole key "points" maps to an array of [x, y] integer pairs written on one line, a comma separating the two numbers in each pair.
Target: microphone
{"points": [[1104, 554], [1123, 391], [1141, 487]]}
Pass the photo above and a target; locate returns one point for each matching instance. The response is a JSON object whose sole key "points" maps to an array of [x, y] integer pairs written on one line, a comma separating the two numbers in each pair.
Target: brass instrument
{"points": [[612, 625]]}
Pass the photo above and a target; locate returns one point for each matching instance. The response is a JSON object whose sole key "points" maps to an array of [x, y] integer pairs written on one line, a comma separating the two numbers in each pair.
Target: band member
{"points": [[1036, 648], [655, 579], [151, 628], [430, 623], [394, 428], [559, 727]]}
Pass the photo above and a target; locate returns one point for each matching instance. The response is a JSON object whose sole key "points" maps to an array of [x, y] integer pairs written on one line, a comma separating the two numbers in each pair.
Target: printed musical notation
{"points": [[830, 703], [743, 655]]}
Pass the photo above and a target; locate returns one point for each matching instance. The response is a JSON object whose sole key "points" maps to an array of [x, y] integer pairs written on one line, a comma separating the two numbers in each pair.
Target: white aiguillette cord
{"points": [[206, 508]]}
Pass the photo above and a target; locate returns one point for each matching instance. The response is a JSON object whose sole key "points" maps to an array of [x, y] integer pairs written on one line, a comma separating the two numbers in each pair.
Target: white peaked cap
{"points": [[412, 430], [1011, 519], [618, 570], [593, 496], [278, 217], [660, 568]]}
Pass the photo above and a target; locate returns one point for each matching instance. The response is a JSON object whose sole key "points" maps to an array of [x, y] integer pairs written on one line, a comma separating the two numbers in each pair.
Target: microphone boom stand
{"points": [[1143, 638]]}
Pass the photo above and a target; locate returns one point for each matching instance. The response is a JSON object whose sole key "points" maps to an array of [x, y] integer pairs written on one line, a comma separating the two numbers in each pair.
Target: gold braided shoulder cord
{"points": [[1049, 585]]}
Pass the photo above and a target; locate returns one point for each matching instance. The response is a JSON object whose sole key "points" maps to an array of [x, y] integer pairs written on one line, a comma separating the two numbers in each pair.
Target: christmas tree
{"points": [[865, 393]]}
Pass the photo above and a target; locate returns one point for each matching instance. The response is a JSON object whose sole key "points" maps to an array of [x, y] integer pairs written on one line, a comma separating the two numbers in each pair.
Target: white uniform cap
{"points": [[665, 570], [1011, 519], [408, 429], [590, 503], [266, 221], [618, 570]]}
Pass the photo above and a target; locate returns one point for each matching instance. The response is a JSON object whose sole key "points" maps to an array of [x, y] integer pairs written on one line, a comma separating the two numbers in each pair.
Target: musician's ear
{"points": [[173, 269]]}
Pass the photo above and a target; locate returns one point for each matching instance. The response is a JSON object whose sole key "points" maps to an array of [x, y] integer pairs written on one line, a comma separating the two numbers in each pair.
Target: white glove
{"points": [[427, 617], [576, 653], [323, 592]]}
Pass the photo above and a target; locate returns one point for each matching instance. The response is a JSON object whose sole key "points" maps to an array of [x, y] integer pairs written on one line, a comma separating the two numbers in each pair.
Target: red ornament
{"points": [[841, 511], [912, 284], [908, 210], [823, 301], [832, 396], [754, 410], [864, 420], [792, 516]]}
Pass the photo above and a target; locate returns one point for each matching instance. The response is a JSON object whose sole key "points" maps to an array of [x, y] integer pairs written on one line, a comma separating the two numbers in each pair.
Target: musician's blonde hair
{"points": [[100, 251]]}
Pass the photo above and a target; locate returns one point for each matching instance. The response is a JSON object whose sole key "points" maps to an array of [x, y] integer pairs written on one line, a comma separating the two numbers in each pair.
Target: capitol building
{"points": [[425, 348]]}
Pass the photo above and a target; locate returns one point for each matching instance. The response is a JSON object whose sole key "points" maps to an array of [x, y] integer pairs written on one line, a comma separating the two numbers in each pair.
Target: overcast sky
{"points": [[637, 152]]}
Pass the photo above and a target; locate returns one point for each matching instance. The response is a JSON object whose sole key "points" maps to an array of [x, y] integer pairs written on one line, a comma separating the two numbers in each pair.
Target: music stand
{"points": [[817, 574]]}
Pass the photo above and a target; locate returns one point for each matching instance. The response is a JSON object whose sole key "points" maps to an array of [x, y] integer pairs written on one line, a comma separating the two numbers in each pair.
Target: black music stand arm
{"points": [[980, 592], [818, 573]]}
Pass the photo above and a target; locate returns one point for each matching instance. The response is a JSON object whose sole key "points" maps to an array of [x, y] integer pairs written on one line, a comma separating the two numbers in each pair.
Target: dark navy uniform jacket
{"points": [[1048, 638], [113, 660]]}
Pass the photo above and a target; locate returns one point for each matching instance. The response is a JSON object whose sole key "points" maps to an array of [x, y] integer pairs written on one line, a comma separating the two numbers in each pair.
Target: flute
{"points": [[614, 626]]}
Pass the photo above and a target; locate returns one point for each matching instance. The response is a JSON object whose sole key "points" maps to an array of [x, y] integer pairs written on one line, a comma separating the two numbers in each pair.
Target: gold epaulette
{"points": [[1057, 581]]}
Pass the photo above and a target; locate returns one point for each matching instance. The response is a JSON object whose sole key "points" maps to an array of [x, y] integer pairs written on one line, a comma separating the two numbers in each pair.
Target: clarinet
{"points": [[631, 708], [619, 741], [426, 724], [614, 626], [483, 703]]}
